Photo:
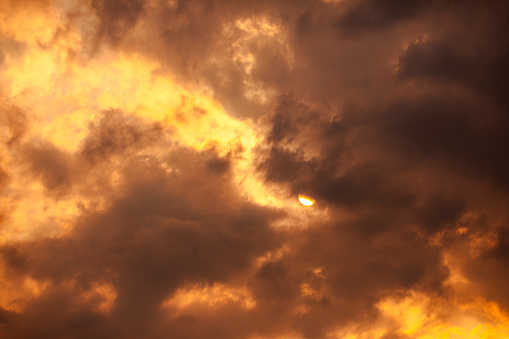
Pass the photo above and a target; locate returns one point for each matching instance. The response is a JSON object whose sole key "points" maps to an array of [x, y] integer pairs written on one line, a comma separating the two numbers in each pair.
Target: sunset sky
{"points": [[157, 157]]}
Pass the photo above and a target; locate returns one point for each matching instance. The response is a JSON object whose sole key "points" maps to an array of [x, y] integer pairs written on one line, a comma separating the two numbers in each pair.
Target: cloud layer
{"points": [[153, 151]]}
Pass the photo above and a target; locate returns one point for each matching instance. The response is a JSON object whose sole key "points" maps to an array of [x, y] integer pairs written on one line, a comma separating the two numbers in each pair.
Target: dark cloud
{"points": [[479, 65], [117, 17], [285, 166], [450, 130], [288, 116], [357, 268], [218, 165], [116, 134], [52, 165], [16, 121], [375, 15], [166, 231], [393, 158], [440, 212]]}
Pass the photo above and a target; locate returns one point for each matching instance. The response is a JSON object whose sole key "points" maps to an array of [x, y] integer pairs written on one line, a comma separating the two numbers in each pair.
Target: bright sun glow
{"points": [[305, 200]]}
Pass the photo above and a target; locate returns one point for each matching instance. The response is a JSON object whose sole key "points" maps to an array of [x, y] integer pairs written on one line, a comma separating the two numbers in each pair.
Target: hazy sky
{"points": [[153, 151]]}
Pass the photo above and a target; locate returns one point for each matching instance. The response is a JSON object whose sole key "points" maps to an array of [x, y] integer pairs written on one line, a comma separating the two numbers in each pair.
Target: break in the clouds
{"points": [[153, 153]]}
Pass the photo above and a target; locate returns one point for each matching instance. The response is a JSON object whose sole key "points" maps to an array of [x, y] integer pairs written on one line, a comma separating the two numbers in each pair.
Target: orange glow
{"points": [[103, 295], [64, 96], [419, 316], [13, 297], [211, 296]]}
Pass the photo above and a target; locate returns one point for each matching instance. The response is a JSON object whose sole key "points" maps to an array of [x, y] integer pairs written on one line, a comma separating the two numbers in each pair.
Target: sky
{"points": [[153, 153]]}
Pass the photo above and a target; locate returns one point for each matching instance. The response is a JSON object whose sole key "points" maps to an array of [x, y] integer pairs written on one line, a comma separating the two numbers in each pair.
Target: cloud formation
{"points": [[153, 152]]}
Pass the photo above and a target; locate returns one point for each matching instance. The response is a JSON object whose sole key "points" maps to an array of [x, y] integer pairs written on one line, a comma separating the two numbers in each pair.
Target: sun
{"points": [[305, 200]]}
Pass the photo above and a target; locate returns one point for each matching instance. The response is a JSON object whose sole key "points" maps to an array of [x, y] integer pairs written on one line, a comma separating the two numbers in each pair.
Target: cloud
{"points": [[154, 152], [16, 121], [115, 134], [166, 231], [116, 17], [376, 15], [51, 165]]}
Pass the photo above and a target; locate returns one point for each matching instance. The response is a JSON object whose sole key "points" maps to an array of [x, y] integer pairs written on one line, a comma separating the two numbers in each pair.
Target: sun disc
{"points": [[305, 200]]}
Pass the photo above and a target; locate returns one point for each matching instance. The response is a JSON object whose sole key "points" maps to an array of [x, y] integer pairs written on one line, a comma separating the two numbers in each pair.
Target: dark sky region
{"points": [[153, 151]]}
